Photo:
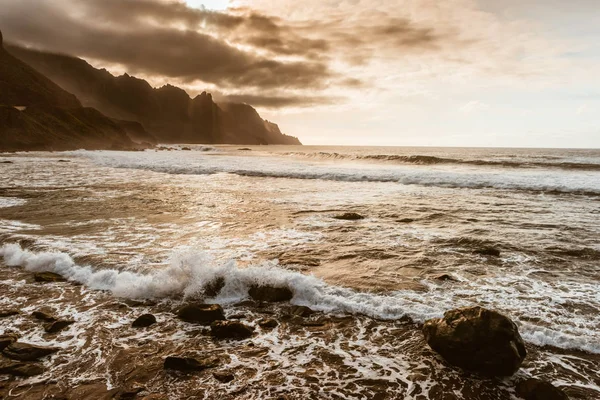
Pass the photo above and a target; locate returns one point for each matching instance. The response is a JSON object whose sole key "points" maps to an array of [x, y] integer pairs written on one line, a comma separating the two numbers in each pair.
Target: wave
{"points": [[273, 167], [432, 160], [187, 274]]}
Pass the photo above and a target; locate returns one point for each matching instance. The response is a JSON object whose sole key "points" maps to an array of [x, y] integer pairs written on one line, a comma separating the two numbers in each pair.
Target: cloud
{"points": [[473, 107]]}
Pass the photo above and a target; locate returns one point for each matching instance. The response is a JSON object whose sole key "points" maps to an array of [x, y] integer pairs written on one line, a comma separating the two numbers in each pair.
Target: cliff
{"points": [[36, 114], [168, 113]]}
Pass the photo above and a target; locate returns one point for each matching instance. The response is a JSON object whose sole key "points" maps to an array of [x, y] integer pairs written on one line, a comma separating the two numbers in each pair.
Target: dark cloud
{"points": [[239, 49]]}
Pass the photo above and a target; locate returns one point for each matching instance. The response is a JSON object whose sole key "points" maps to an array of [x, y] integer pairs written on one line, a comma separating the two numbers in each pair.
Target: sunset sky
{"points": [[514, 73]]}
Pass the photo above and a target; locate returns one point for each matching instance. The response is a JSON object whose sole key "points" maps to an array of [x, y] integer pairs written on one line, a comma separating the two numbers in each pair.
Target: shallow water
{"points": [[161, 224]]}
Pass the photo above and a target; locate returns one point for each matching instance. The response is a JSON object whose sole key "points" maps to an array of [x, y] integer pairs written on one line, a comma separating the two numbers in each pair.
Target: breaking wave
{"points": [[433, 160], [187, 274]]}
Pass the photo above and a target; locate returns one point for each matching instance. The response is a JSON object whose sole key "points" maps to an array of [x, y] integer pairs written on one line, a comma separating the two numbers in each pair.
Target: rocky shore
{"points": [[62, 340]]}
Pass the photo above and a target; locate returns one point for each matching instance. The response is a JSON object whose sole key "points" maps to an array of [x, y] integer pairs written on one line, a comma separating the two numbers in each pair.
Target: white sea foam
{"points": [[187, 273], [11, 202]]}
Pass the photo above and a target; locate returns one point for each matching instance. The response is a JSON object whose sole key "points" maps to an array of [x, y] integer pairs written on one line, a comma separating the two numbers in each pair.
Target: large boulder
{"points": [[270, 293], [27, 352], [204, 314], [230, 330], [536, 389], [477, 340]]}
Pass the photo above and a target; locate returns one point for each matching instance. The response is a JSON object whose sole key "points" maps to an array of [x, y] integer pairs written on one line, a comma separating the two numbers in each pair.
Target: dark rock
{"points": [[186, 149], [349, 217], [445, 278], [8, 313], [144, 321], [488, 251], [6, 162], [57, 326], [477, 340], [268, 323], [301, 311], [27, 352], [270, 293], [43, 316], [223, 376], [213, 288], [536, 389], [127, 394], [64, 161], [45, 277], [230, 330], [188, 364], [405, 220], [5, 340], [245, 149], [204, 314], [20, 369], [139, 303]]}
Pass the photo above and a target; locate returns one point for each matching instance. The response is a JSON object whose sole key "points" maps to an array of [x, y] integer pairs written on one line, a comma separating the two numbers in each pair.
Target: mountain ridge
{"points": [[167, 112]]}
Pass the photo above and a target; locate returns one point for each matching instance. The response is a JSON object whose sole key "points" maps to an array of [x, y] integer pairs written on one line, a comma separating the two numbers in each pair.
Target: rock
{"points": [[189, 364], [63, 161], [45, 277], [27, 352], [5, 340], [127, 394], [230, 330], [223, 376], [20, 369], [477, 340], [204, 314], [268, 323], [405, 220], [8, 313], [186, 149], [488, 251], [301, 311], [213, 288], [245, 149], [536, 389], [349, 216], [43, 316], [144, 321], [57, 326], [445, 278], [7, 162], [270, 293]]}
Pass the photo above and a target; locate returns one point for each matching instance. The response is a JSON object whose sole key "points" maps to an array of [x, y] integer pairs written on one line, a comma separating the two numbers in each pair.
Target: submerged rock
{"points": [[270, 293], [27, 352], [488, 251], [477, 340], [5, 340], [349, 216], [536, 389], [188, 364], [204, 314], [223, 376], [445, 278], [301, 311], [57, 326], [20, 369], [144, 321], [213, 288], [8, 313], [45, 277], [230, 330], [43, 316], [268, 323]]}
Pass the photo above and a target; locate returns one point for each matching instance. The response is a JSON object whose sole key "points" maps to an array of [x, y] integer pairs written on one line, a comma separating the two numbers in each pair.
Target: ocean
{"points": [[514, 230]]}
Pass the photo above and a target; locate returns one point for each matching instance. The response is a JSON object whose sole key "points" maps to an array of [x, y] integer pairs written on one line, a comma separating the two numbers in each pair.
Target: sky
{"points": [[510, 73]]}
